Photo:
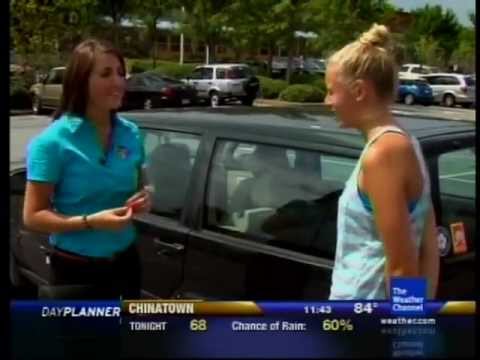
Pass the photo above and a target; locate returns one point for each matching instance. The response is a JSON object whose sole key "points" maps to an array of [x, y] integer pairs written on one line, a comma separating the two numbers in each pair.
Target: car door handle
{"points": [[44, 249], [167, 248], [209, 83]]}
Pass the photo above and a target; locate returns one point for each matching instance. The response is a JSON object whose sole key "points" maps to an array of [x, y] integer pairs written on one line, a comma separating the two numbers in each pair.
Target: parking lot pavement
{"points": [[22, 129]]}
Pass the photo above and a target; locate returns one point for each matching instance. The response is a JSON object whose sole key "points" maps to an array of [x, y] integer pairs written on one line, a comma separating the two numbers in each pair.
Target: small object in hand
{"points": [[136, 205]]}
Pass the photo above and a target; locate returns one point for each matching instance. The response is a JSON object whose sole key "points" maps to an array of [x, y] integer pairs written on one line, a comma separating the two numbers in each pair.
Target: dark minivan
{"points": [[245, 204]]}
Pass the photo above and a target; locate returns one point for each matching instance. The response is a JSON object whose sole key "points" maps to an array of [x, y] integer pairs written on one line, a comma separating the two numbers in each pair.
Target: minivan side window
{"points": [[276, 195], [433, 80], [170, 158], [451, 80]]}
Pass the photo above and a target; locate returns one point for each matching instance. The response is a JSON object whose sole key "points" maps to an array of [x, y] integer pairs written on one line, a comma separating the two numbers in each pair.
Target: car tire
{"points": [[215, 99], [147, 104], [37, 105], [248, 101], [409, 99], [467, 105], [449, 100]]}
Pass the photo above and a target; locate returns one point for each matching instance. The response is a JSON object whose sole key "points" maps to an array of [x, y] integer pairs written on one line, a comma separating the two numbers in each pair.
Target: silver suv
{"points": [[450, 89], [48, 92], [218, 83]]}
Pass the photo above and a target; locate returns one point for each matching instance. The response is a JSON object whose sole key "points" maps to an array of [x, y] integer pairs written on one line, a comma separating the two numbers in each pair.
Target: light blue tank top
{"points": [[360, 256]]}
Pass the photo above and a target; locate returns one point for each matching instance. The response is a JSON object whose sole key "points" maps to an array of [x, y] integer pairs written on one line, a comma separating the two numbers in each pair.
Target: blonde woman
{"points": [[386, 222]]}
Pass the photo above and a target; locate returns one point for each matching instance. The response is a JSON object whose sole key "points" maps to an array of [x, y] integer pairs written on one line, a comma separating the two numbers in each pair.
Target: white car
{"points": [[415, 71], [450, 89], [48, 92], [218, 83]]}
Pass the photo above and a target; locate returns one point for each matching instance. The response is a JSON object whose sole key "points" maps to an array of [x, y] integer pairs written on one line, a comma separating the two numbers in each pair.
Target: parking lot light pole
{"points": [[181, 40]]}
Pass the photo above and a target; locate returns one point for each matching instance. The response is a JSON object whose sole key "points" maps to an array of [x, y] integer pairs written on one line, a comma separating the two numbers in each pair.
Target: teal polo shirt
{"points": [[68, 154]]}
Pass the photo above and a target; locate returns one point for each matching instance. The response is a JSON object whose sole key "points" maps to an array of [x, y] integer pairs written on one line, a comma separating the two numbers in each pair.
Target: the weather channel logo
{"points": [[408, 295]]}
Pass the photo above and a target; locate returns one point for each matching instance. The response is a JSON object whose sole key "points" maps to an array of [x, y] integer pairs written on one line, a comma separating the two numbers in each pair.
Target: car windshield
{"points": [[239, 72], [470, 81]]}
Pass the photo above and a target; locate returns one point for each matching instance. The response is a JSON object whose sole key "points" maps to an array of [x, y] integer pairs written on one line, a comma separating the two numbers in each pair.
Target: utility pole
{"points": [[181, 40]]}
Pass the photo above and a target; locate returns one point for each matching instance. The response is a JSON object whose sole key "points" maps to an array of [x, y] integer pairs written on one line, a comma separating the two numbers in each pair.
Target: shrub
{"points": [[302, 93], [19, 93], [320, 84], [175, 70], [310, 79], [270, 88], [138, 66]]}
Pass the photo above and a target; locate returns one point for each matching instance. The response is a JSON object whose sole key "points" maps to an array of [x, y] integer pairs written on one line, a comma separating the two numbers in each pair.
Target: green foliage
{"points": [[302, 93], [338, 22], [168, 68], [202, 21], [320, 84], [19, 91], [428, 51], [150, 12], [299, 78], [464, 55], [140, 65], [175, 70], [435, 23], [270, 88], [39, 27]]}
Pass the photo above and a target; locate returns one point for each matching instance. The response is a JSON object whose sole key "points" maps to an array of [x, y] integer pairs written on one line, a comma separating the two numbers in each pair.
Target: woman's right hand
{"points": [[111, 219]]}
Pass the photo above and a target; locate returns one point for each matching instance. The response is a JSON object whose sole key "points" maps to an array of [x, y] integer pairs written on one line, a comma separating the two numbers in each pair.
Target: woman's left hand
{"points": [[140, 202]]}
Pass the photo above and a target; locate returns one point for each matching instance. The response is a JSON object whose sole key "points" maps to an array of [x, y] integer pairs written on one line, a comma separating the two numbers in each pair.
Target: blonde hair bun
{"points": [[377, 35]]}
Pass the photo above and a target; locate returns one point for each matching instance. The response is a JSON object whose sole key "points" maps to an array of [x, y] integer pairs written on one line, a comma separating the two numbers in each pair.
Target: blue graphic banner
{"points": [[179, 329]]}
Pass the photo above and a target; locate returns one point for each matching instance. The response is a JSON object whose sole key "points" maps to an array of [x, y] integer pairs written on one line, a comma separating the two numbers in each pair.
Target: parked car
{"points": [[47, 93], [218, 83], [245, 204], [314, 66], [414, 91], [307, 65], [414, 71], [149, 90], [450, 89], [280, 64]]}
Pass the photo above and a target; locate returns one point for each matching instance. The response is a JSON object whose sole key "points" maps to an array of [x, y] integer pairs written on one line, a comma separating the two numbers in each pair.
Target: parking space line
{"points": [[462, 181], [343, 163], [457, 175]]}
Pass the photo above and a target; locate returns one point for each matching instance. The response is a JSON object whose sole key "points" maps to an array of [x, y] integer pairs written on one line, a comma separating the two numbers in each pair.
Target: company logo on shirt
{"points": [[122, 151]]}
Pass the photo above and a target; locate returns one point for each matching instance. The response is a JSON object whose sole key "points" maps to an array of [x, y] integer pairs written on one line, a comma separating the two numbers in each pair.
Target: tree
{"points": [[434, 22], [338, 22], [116, 10], [473, 19], [428, 51], [268, 23], [150, 12], [39, 28], [464, 55], [202, 22]]}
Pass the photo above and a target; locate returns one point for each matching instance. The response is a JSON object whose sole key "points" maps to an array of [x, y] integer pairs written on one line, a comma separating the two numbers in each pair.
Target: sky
{"points": [[460, 7]]}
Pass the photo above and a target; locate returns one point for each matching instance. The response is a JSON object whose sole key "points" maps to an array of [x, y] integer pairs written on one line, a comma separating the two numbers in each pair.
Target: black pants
{"points": [[82, 277]]}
